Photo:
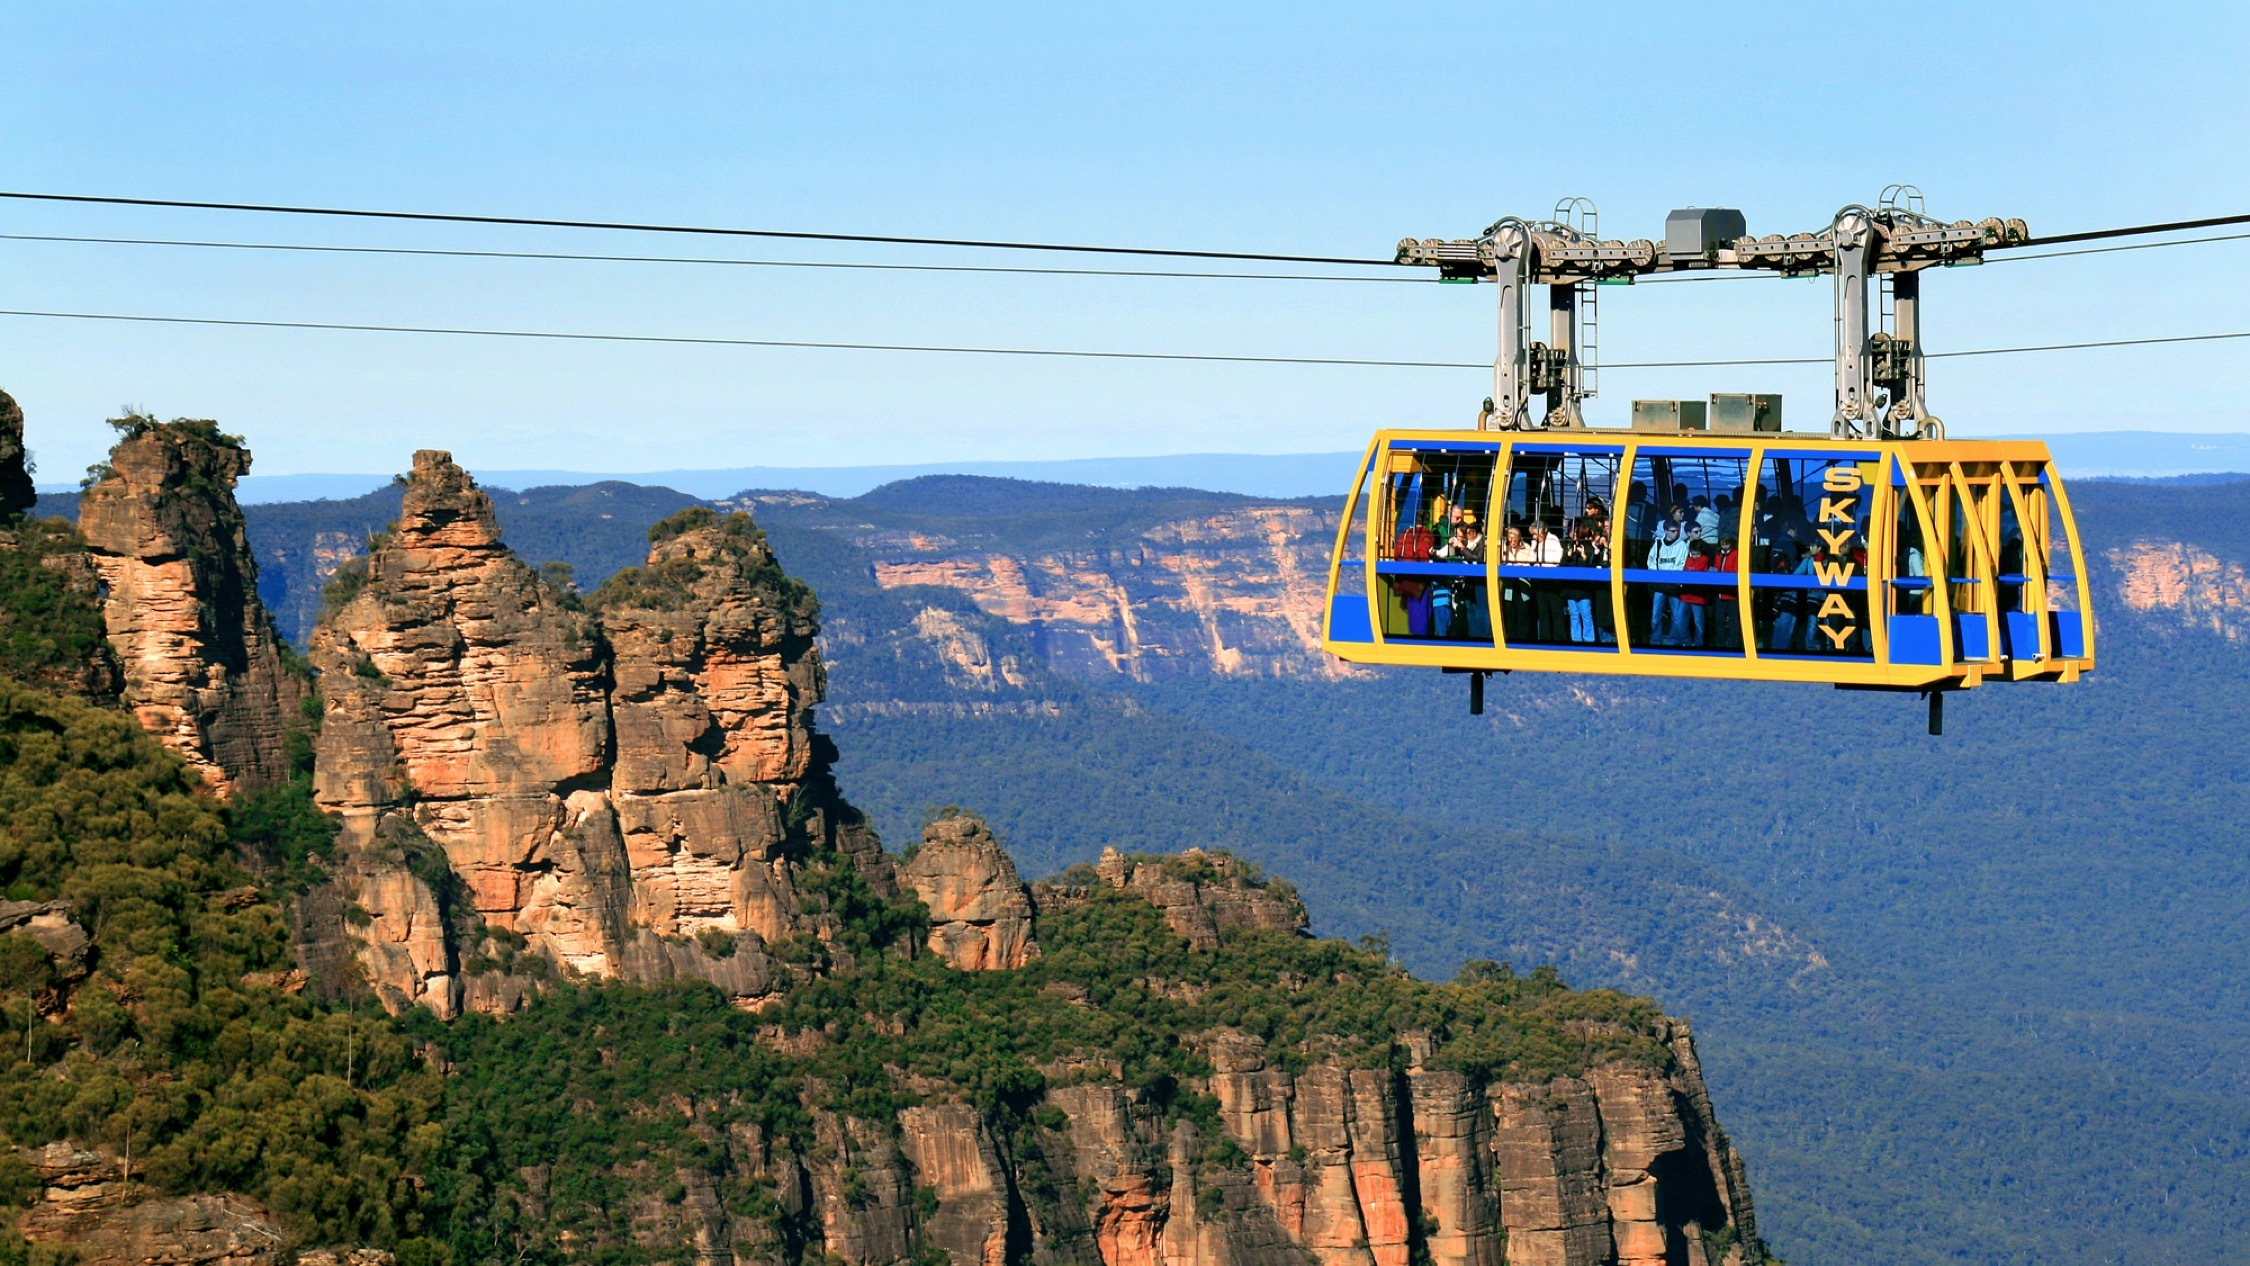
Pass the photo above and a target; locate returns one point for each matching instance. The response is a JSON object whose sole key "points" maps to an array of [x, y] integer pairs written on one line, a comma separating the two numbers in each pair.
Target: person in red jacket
{"points": [[1413, 545], [1694, 598], [1726, 617]]}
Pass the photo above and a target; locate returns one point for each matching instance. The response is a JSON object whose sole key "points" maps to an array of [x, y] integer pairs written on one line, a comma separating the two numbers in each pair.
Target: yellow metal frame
{"points": [[1935, 475]]}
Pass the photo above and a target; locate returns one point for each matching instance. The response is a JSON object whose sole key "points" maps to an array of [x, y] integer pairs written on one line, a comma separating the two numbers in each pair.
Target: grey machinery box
{"points": [[1745, 413], [1694, 232], [1668, 415]]}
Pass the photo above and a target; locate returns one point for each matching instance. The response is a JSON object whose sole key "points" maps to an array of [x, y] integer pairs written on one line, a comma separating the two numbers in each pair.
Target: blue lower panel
{"points": [[2019, 635], [1348, 619], [1914, 640], [2070, 635], [1969, 637]]}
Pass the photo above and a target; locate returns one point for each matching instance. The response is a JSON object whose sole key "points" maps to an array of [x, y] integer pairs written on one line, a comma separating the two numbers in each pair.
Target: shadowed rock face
{"points": [[16, 491], [202, 664], [607, 784]]}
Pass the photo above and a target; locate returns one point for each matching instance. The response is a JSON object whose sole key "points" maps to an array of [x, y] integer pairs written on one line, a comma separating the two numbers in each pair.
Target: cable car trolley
{"points": [[1703, 540]]}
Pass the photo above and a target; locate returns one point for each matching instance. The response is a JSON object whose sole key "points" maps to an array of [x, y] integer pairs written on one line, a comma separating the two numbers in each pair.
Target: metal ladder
{"points": [[1896, 198], [1580, 216]]}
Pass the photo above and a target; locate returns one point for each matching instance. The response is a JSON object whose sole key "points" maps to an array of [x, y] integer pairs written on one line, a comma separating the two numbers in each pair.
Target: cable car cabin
{"points": [[1878, 556], [1905, 564]]}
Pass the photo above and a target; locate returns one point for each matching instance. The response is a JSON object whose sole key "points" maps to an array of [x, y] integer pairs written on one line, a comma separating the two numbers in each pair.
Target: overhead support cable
{"points": [[697, 259], [1079, 353], [629, 227], [2129, 246], [2137, 230]]}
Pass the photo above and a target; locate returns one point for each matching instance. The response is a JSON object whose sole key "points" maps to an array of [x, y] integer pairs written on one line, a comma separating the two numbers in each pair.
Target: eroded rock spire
{"points": [[202, 663]]}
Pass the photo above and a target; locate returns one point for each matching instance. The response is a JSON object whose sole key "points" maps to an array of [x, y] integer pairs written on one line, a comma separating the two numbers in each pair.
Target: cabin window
{"points": [[1809, 554], [2009, 562], [1555, 547], [2065, 615], [1430, 549], [1682, 523], [2054, 543], [1910, 562]]}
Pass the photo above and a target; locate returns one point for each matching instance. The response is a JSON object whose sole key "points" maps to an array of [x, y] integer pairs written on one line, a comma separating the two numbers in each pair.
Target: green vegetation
{"points": [[50, 632], [182, 1043], [671, 584]]}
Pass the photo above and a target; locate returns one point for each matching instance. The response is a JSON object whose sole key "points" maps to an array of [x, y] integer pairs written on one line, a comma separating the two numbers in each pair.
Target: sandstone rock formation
{"points": [[980, 912], [202, 664], [16, 491], [1203, 893], [607, 786], [88, 1203], [1337, 1166]]}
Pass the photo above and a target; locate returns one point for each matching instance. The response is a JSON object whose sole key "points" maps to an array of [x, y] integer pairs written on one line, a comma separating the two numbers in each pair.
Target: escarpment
{"points": [[202, 665], [529, 781]]}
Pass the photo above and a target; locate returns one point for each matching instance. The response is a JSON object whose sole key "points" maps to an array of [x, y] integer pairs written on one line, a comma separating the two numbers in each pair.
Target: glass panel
{"points": [[1351, 575], [2062, 574], [1910, 562], [1431, 544], [1682, 514], [2010, 546], [1558, 507], [1809, 549]]}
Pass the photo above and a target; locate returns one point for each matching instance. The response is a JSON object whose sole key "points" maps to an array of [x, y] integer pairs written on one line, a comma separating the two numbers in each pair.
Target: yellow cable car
{"points": [[1706, 542]]}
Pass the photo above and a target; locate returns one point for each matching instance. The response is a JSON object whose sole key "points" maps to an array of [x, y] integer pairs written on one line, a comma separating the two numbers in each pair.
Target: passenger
{"points": [[1413, 545], [1638, 521], [1515, 595], [1808, 600], [1667, 554], [1467, 592], [1549, 623], [1578, 595], [1595, 553], [1726, 618], [1446, 522], [1724, 513], [1677, 516], [1706, 521], [1694, 598]]}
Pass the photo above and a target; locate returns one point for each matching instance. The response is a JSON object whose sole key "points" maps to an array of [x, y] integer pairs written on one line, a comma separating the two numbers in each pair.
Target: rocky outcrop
{"points": [[606, 786], [16, 491], [980, 912], [48, 923], [1203, 893], [88, 1203], [203, 668]]}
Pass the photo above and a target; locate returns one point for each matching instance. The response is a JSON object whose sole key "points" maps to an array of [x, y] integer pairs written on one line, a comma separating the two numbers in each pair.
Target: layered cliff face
{"points": [[2177, 584], [203, 667], [1234, 593], [608, 785], [1109, 1104]]}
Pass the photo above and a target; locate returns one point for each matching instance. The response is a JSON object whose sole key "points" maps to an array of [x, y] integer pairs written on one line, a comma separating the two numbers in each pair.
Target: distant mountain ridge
{"points": [[2090, 454]]}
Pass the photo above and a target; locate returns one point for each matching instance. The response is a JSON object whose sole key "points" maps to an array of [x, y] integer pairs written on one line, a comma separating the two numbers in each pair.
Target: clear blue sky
{"points": [[1319, 129]]}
